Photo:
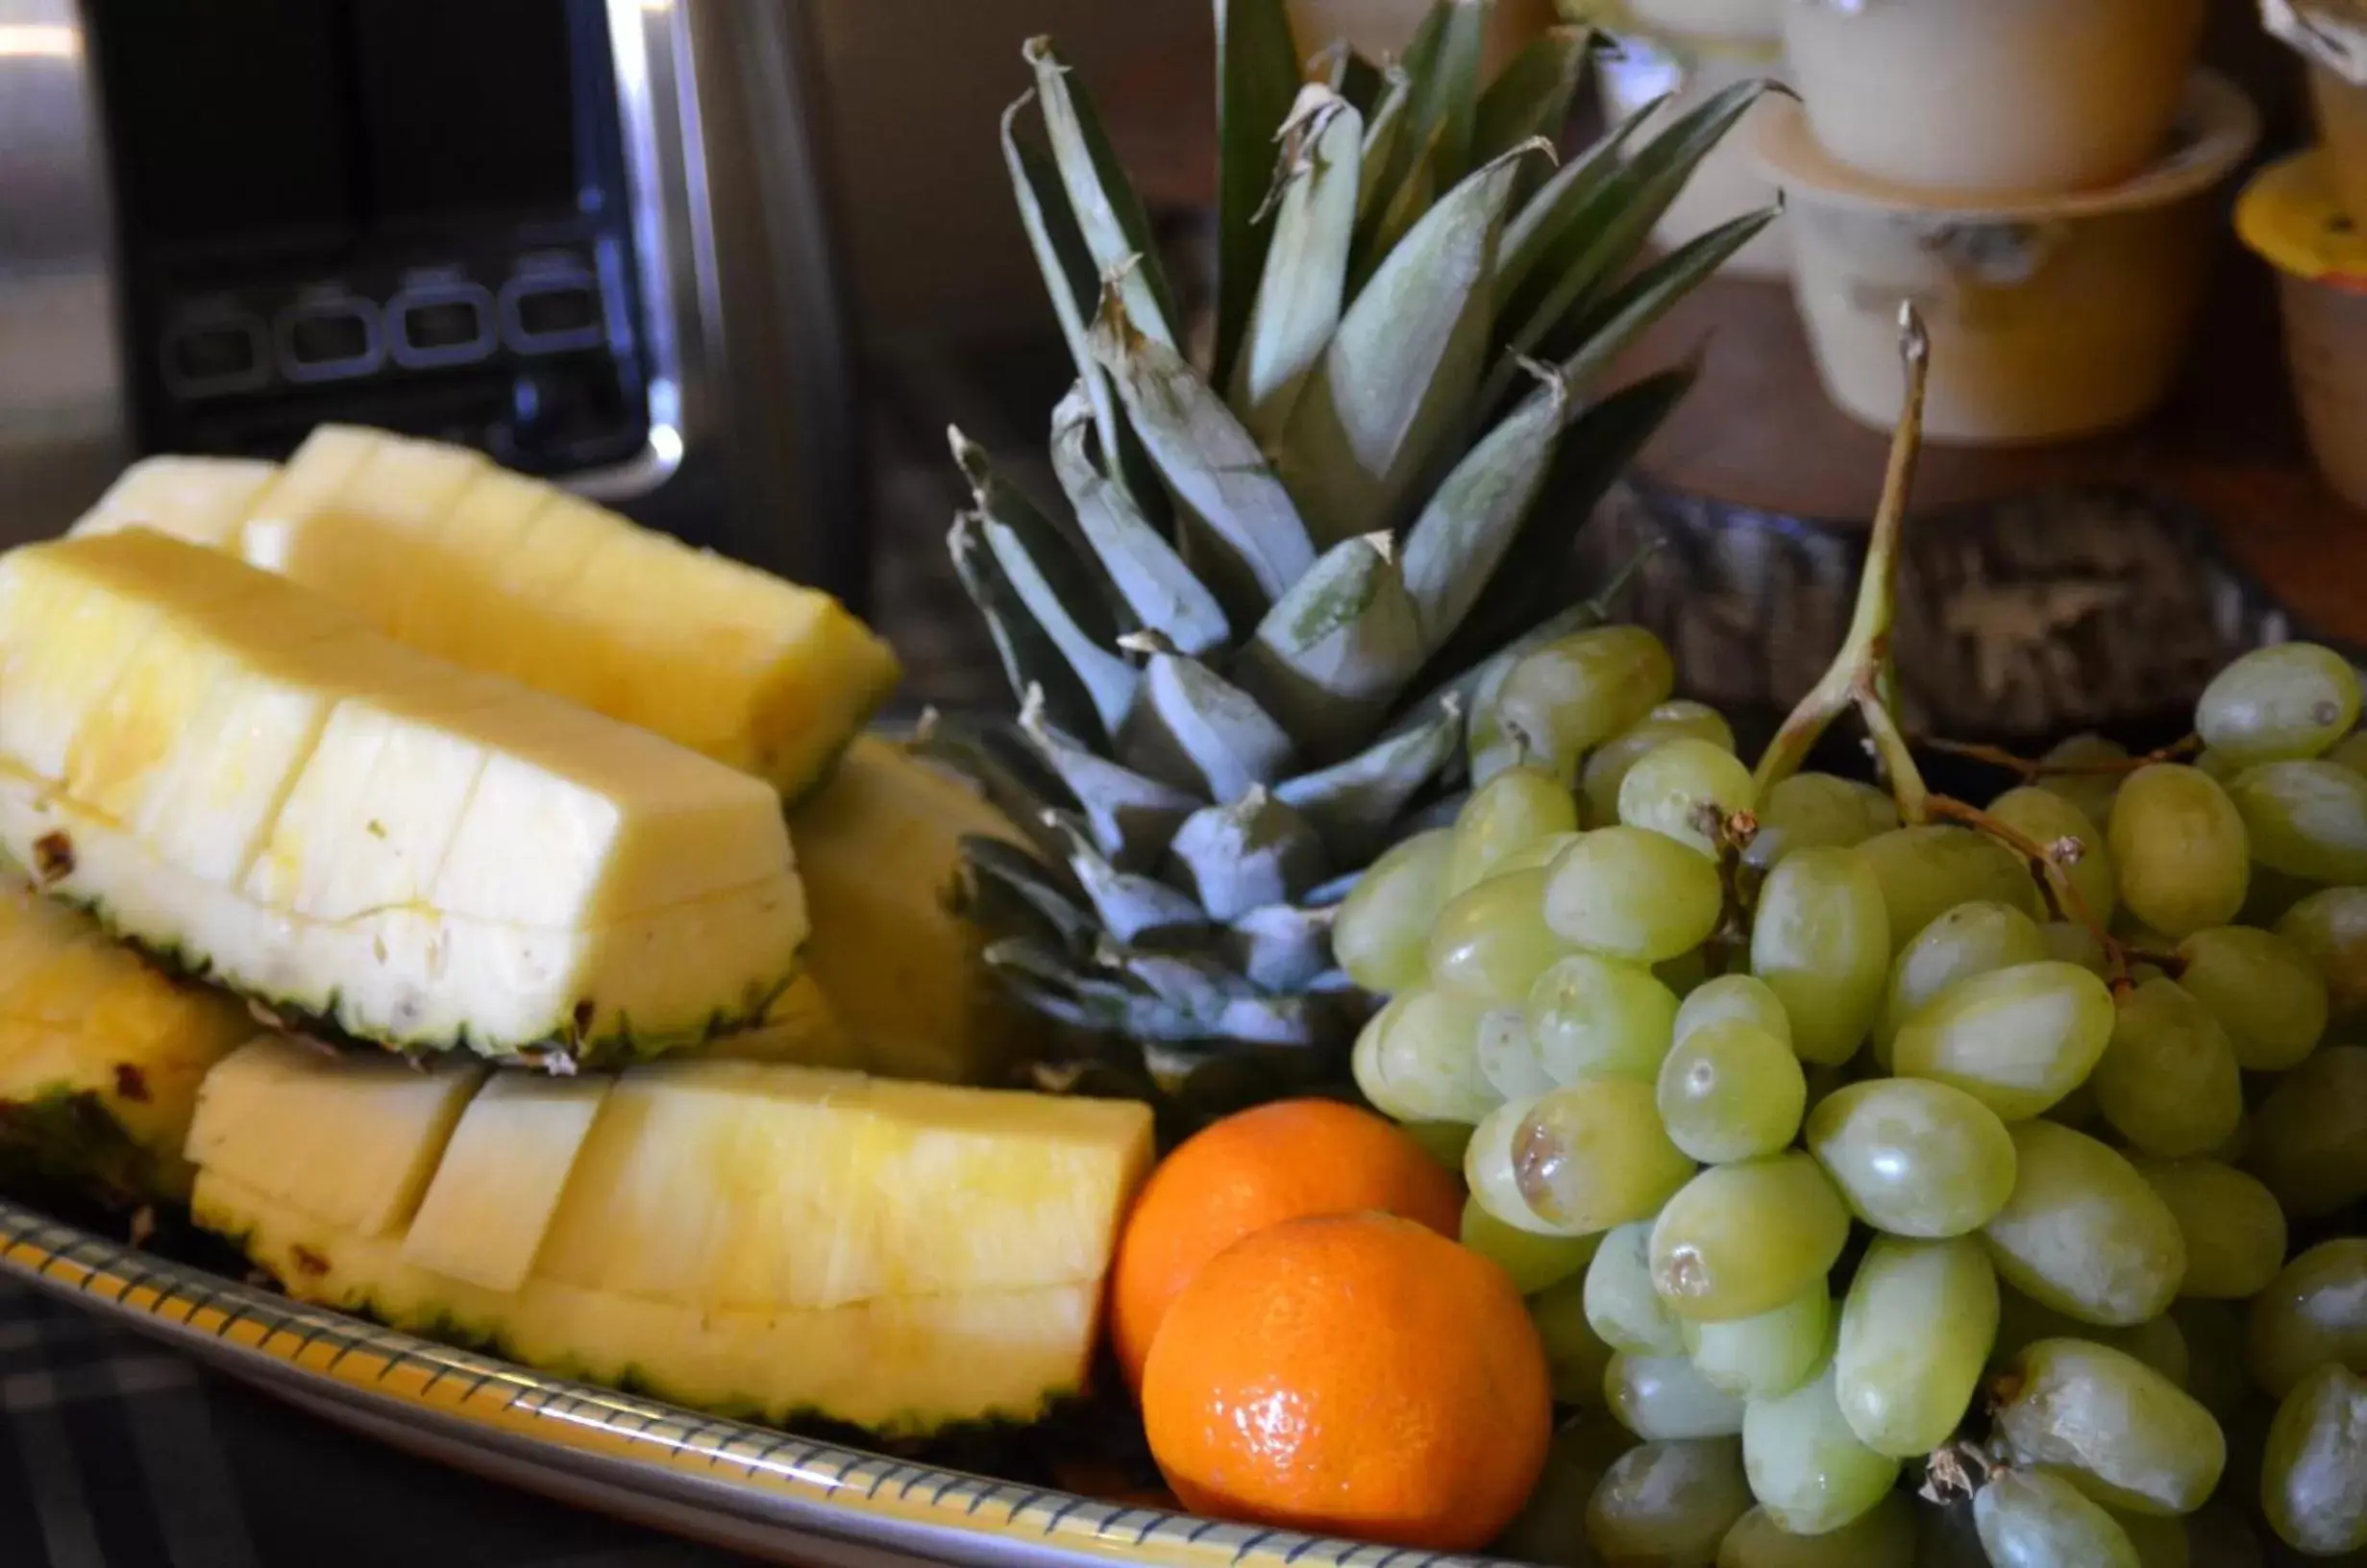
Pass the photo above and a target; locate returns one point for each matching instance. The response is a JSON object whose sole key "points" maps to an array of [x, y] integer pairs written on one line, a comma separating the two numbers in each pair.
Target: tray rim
{"points": [[758, 1488]]}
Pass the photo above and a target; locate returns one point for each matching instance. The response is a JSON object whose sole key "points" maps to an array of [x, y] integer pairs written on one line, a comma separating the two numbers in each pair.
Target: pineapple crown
{"points": [[1245, 650]]}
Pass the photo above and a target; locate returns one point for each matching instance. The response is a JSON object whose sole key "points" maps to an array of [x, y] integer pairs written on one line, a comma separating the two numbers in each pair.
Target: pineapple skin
{"points": [[245, 780], [441, 550], [879, 852], [101, 1057], [761, 1240]]}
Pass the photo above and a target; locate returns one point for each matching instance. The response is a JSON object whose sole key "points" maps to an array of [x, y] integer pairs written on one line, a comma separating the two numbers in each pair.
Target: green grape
{"points": [[2071, 942], [2270, 895], [2160, 1542], [2213, 1333], [1606, 767], [1417, 1059], [2180, 849], [1381, 935], [1825, 1080], [1442, 1140], [2222, 766], [1660, 1398], [1731, 1091], [1774, 1353], [2048, 819], [1971, 939], [1619, 1298], [1668, 1503], [1567, 698], [1821, 943], [1926, 872], [2314, 1310], [2021, 1322], [2233, 1231], [2017, 1040], [2306, 819], [1913, 1157], [1593, 1155], [2332, 928], [1533, 1260], [2037, 1519], [1591, 1016], [2313, 1486], [1575, 1355], [2091, 791], [1488, 1171], [2168, 1082], [2128, 1437], [1634, 894], [1884, 1537], [2082, 1232], [1678, 784], [1552, 1529], [1806, 1468], [2294, 700], [1489, 943], [1535, 855], [1817, 809], [1507, 1058], [2306, 1136], [2350, 752], [2262, 989], [1916, 1333], [1742, 997], [1503, 816], [1744, 1238]]}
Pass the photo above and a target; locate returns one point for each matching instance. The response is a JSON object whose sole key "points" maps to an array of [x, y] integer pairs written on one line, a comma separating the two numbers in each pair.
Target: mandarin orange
{"points": [[1352, 1375], [1280, 1161]]}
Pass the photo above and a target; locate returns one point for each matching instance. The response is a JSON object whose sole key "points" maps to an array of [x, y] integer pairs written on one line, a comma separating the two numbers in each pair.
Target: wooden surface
{"points": [[1758, 431]]}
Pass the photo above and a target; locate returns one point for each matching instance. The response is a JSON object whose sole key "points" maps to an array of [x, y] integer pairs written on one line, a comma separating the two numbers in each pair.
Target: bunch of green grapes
{"points": [[1889, 1193]]}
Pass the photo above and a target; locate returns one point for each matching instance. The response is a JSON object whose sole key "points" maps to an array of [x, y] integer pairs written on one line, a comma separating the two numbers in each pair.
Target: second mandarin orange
{"points": [[1283, 1161]]}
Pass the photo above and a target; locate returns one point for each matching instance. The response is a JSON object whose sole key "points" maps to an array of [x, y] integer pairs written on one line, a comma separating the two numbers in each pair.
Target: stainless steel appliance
{"points": [[590, 236]]}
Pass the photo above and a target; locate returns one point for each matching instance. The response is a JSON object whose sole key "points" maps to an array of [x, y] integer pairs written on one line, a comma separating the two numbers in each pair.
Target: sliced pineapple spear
{"points": [[441, 550], [101, 1054], [240, 774], [762, 1240]]}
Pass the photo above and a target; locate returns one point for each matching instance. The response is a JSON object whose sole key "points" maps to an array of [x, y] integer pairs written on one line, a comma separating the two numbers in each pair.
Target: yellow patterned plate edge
{"points": [[762, 1489]]}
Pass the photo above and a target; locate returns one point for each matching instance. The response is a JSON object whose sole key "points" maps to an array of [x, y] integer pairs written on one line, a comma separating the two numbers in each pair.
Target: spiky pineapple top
{"points": [[1245, 649]]}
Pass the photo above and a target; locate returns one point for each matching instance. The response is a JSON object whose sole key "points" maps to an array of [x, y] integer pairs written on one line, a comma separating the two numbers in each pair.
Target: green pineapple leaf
{"points": [[1279, 947], [1621, 318], [1030, 883], [1562, 202], [1130, 816], [1140, 565], [1356, 805], [1257, 76], [1333, 653], [989, 752], [1196, 730], [1305, 282], [1132, 908], [1238, 857], [1233, 510], [1069, 276], [1349, 74], [1029, 656], [1385, 126], [1455, 546], [1530, 97], [1108, 680], [1108, 213], [1442, 74], [1397, 377]]}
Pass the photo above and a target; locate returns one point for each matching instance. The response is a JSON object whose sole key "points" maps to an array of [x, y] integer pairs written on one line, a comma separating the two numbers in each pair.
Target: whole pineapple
{"points": [[1246, 649]]}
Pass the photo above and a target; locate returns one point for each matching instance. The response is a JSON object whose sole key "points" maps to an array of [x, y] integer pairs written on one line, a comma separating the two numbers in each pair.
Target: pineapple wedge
{"points": [[234, 771], [441, 550], [879, 853], [760, 1239], [202, 500], [101, 1054]]}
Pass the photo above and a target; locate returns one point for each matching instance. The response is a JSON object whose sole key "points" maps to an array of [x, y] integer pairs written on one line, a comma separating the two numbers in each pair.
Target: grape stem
{"points": [[2030, 771], [1863, 676]]}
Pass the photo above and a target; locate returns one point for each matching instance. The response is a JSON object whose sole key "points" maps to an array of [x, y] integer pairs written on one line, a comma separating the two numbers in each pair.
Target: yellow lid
{"points": [[2290, 216]]}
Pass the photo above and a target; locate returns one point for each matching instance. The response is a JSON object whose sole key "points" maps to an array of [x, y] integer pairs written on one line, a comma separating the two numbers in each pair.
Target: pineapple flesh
{"points": [[1248, 636], [439, 548], [237, 773], [760, 1239], [101, 1054], [879, 849]]}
